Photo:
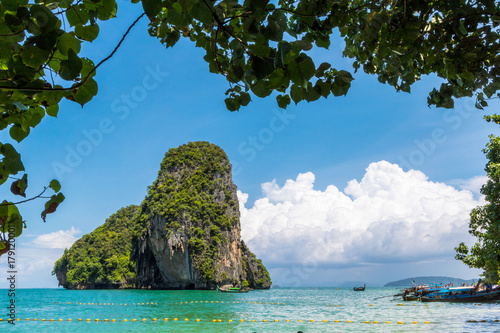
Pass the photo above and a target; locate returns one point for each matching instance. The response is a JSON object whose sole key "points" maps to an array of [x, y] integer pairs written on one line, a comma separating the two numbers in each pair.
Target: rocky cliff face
{"points": [[191, 227]]}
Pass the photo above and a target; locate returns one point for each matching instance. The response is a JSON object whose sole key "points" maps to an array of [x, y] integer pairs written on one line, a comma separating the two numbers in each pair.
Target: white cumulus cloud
{"points": [[389, 216], [34, 260], [60, 239], [473, 184]]}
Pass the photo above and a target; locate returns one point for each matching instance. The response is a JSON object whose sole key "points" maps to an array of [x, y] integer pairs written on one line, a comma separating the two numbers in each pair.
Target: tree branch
{"points": [[82, 82], [20, 202]]}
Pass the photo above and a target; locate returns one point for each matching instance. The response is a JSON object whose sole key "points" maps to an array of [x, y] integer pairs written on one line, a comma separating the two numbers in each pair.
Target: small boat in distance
{"points": [[359, 288], [234, 290]]}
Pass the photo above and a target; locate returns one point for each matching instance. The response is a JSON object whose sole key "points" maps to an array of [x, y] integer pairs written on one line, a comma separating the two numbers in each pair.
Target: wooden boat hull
{"points": [[489, 296], [411, 298]]}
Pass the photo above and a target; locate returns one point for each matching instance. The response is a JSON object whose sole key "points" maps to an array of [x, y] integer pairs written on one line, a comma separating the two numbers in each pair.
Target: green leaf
{"points": [[244, 98], [77, 16], [14, 223], [70, 69], [201, 13], [59, 198], [312, 93], [304, 44], [273, 31], [323, 41], [151, 7], [302, 70], [55, 185], [251, 27], [13, 4], [46, 21], [107, 10], [260, 89], [283, 101], [262, 67], [68, 41], [277, 79], [12, 21], [12, 210], [339, 87], [22, 120], [34, 56], [12, 159], [87, 67], [17, 133], [37, 115], [88, 33], [9, 215], [52, 110], [171, 38], [345, 76], [297, 93], [321, 69], [237, 72], [283, 49], [260, 49], [232, 104], [19, 72], [323, 87], [86, 92], [52, 204], [178, 8], [461, 28]]}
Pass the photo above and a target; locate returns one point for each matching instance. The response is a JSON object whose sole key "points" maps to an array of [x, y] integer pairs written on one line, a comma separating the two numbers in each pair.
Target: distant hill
{"points": [[351, 284], [428, 280]]}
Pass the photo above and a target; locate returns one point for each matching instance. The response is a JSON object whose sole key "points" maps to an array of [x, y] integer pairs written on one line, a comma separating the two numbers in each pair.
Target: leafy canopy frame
{"points": [[259, 46]]}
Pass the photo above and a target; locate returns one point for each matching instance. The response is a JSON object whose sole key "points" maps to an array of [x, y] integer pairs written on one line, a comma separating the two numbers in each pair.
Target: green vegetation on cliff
{"points": [[187, 180], [188, 192], [101, 259], [255, 269]]}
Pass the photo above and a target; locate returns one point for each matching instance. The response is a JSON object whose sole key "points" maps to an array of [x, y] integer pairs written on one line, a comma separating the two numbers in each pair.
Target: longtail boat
{"points": [[359, 288], [232, 290], [464, 294], [477, 293], [414, 293]]}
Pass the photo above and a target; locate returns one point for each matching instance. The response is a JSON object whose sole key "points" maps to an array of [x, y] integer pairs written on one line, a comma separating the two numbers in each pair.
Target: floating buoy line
{"points": [[399, 304], [88, 320], [203, 302], [153, 303], [95, 303], [229, 302]]}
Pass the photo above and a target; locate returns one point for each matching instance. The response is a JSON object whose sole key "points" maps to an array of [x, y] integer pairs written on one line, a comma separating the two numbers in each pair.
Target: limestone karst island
{"points": [[184, 235]]}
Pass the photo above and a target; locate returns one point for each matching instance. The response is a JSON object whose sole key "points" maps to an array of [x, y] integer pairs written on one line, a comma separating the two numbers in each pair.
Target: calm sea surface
{"points": [[305, 309]]}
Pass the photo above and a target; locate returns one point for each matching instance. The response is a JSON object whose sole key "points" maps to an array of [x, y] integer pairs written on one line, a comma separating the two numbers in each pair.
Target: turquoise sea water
{"points": [[303, 304]]}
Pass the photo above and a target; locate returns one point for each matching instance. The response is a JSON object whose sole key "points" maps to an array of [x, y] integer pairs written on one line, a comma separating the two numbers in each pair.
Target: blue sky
{"points": [[151, 99]]}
